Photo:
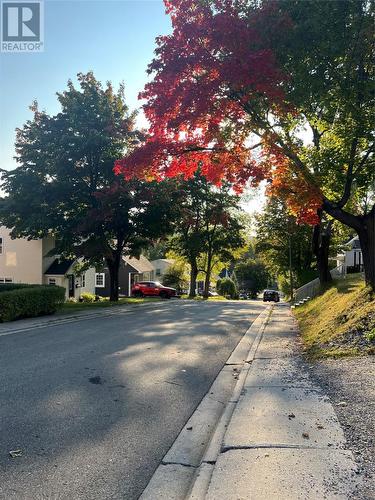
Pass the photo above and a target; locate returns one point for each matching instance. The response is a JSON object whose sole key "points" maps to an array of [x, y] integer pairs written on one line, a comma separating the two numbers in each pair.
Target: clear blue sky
{"points": [[114, 38]]}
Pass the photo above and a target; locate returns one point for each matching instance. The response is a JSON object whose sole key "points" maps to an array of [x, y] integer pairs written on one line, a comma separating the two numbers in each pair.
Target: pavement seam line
{"points": [[179, 463]]}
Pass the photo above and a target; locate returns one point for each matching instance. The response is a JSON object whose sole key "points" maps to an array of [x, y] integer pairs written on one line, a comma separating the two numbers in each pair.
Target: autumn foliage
{"points": [[211, 76]]}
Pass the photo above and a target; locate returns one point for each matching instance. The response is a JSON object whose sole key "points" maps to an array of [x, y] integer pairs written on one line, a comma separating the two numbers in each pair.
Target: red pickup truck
{"points": [[152, 289]]}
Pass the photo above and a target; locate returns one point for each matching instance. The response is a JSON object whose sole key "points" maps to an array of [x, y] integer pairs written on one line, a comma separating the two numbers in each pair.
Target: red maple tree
{"points": [[236, 76], [206, 73]]}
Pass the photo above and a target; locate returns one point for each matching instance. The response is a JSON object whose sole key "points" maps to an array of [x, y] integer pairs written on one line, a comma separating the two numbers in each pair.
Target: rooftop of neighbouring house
{"points": [[142, 264], [59, 267]]}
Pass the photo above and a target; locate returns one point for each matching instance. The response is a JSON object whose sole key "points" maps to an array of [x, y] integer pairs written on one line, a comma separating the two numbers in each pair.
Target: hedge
{"points": [[23, 301]]}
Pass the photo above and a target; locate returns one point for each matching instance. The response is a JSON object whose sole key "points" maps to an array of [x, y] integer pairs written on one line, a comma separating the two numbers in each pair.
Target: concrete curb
{"points": [[189, 457]]}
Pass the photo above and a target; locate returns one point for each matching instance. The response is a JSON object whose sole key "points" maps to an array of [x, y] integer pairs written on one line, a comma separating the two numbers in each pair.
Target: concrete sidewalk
{"points": [[283, 440]]}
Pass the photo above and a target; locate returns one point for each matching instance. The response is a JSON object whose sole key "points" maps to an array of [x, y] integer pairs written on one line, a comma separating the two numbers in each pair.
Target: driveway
{"points": [[94, 404]]}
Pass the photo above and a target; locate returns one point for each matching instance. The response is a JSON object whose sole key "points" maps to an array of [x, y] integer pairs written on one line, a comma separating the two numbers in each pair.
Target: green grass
{"points": [[70, 307], [214, 299], [340, 321]]}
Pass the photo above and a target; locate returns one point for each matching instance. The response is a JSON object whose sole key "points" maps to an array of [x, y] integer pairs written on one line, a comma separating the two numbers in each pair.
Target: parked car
{"points": [[271, 296], [243, 296], [152, 289]]}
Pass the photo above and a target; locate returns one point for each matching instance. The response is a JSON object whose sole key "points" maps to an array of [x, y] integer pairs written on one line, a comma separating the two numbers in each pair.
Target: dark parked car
{"points": [[152, 289], [271, 296]]}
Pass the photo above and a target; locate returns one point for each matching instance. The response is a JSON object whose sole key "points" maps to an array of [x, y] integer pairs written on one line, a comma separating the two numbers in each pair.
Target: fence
{"points": [[312, 288]]}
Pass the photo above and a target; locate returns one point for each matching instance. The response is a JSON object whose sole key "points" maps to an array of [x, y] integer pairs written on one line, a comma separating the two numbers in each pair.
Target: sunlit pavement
{"points": [[284, 440], [94, 405]]}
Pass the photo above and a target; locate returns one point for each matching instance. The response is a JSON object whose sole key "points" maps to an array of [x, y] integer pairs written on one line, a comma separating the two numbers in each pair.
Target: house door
{"points": [[71, 285]]}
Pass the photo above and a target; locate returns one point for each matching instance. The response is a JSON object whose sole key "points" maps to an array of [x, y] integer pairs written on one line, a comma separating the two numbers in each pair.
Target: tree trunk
{"points": [[364, 225], [113, 268], [208, 278], [321, 242], [366, 234], [193, 279]]}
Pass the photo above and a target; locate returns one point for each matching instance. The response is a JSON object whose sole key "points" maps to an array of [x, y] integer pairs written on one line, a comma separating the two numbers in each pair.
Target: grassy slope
{"points": [[339, 322]]}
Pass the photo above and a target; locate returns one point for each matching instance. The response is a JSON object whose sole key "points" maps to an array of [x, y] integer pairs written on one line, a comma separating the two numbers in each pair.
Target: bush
{"points": [[27, 301], [87, 297], [176, 277], [227, 288]]}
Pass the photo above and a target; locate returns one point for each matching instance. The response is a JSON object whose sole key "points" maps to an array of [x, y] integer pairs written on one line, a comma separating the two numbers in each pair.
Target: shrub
{"points": [[227, 288], [87, 297], [370, 336], [30, 301], [176, 277]]}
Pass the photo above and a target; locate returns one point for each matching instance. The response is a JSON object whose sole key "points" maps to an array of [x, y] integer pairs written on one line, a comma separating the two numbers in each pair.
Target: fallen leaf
{"points": [[189, 428], [305, 435], [15, 453]]}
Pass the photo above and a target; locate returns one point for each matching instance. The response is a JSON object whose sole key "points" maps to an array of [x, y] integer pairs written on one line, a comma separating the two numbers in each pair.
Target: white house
{"points": [[160, 267], [351, 257], [24, 261]]}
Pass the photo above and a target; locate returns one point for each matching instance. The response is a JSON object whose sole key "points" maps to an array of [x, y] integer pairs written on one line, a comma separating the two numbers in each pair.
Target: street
{"points": [[94, 404]]}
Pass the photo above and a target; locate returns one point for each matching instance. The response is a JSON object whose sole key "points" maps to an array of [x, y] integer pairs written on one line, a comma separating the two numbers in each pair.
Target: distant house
{"points": [[160, 267], [33, 262], [351, 257], [131, 271]]}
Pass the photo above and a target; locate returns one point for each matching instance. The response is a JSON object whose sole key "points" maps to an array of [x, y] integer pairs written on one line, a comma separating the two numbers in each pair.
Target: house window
{"points": [[52, 281], [83, 280], [6, 280], [158, 271], [1, 245], [100, 280]]}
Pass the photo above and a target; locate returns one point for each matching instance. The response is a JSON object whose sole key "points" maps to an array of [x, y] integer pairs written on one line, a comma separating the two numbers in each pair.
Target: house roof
{"points": [[142, 265], [59, 267], [158, 261]]}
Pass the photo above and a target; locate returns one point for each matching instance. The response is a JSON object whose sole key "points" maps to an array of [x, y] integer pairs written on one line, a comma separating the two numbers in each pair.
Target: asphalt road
{"points": [[95, 404]]}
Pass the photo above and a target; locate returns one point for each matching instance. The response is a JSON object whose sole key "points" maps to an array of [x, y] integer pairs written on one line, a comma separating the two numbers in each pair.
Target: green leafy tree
{"points": [[157, 250], [277, 235], [208, 232], [65, 183], [252, 276]]}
